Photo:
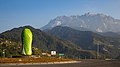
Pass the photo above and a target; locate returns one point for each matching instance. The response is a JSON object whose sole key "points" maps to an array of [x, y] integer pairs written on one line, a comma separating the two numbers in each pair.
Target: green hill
{"points": [[44, 42], [88, 40]]}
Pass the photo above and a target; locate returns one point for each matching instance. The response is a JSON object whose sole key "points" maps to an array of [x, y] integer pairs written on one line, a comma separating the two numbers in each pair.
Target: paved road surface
{"points": [[83, 63]]}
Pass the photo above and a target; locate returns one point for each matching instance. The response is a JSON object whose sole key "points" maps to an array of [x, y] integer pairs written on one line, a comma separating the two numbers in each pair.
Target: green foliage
{"points": [[36, 51], [9, 48]]}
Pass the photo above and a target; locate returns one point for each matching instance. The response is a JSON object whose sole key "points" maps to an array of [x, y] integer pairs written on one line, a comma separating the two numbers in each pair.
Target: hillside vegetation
{"points": [[43, 42]]}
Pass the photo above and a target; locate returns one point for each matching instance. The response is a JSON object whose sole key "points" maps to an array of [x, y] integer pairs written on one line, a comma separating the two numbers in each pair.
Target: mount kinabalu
{"points": [[88, 21]]}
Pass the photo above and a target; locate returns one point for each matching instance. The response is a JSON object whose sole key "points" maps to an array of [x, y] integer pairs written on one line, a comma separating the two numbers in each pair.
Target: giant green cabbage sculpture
{"points": [[26, 41]]}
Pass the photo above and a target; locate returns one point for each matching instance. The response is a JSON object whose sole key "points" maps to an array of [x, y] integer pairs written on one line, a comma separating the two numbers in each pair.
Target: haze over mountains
{"points": [[86, 22]]}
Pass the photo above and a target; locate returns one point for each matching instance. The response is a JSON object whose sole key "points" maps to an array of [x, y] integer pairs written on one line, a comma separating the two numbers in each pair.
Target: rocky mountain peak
{"points": [[90, 21]]}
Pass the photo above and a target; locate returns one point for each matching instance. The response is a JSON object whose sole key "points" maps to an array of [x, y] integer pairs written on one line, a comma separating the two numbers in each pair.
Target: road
{"points": [[83, 63]]}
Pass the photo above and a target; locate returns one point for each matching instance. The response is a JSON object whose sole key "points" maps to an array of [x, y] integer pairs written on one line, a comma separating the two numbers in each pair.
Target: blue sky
{"points": [[37, 13]]}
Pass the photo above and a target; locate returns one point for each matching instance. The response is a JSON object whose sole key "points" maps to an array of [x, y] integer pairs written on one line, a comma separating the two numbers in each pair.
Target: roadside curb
{"points": [[45, 63]]}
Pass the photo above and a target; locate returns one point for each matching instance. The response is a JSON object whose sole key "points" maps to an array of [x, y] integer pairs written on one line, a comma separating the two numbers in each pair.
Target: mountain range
{"points": [[88, 40], [86, 22], [76, 36], [71, 42], [45, 42]]}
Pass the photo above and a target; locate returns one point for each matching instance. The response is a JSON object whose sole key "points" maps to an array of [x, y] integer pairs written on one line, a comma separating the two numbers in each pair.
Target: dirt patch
{"points": [[31, 60]]}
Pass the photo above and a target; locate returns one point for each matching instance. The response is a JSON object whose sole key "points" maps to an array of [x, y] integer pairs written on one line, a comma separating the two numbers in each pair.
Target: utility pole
{"points": [[98, 51]]}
